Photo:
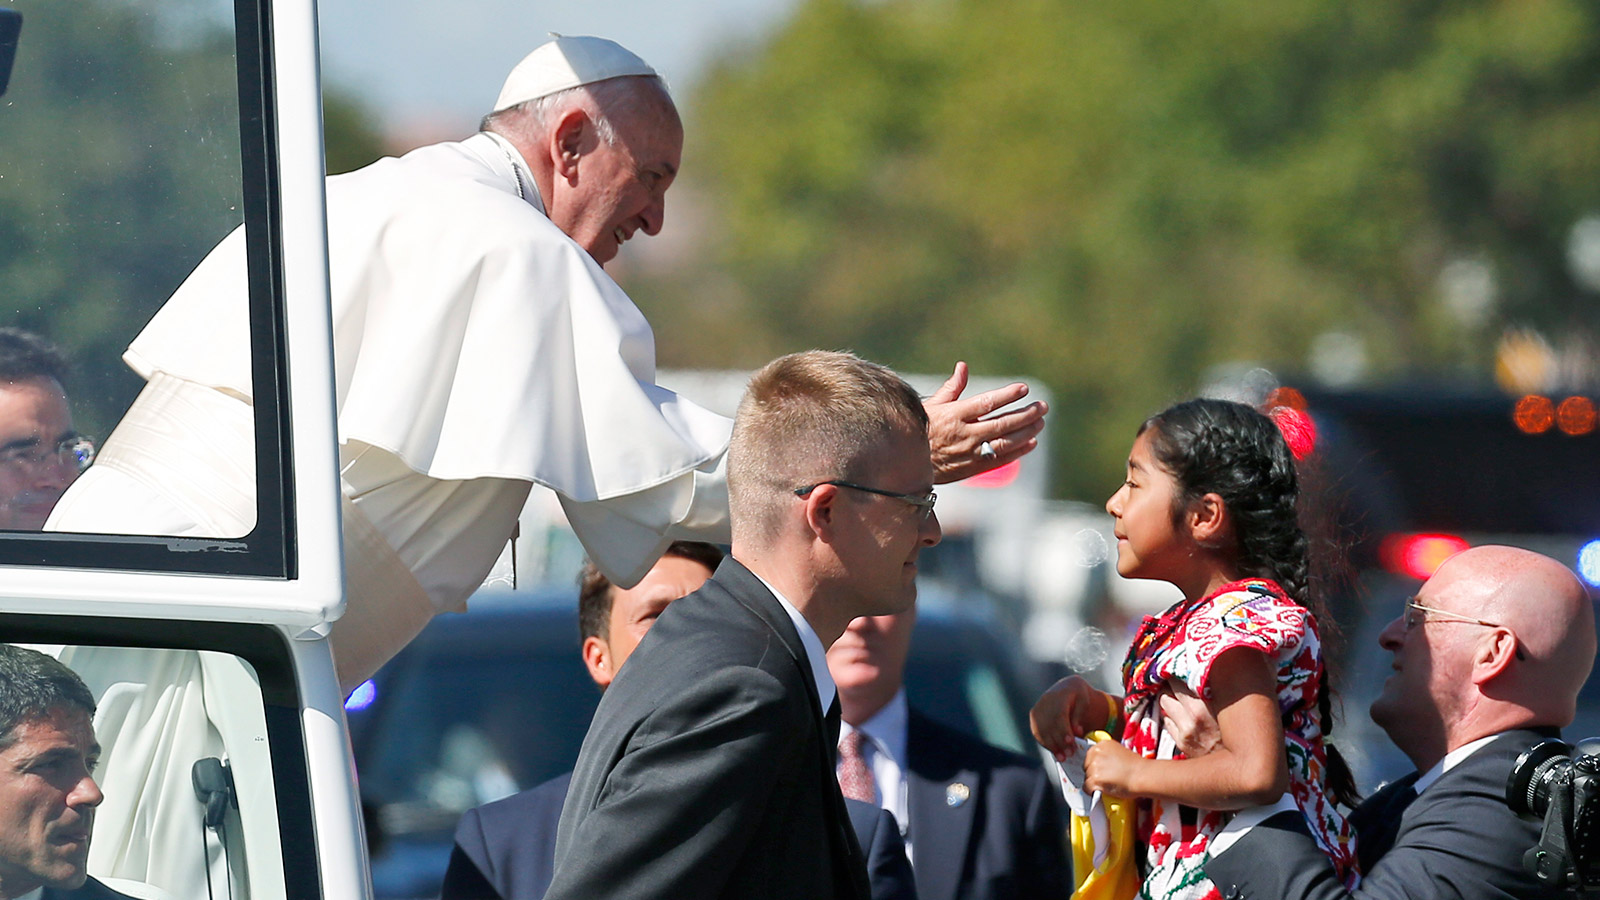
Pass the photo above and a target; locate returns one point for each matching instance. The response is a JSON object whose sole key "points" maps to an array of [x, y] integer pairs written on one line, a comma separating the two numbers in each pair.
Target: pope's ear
{"points": [[570, 139]]}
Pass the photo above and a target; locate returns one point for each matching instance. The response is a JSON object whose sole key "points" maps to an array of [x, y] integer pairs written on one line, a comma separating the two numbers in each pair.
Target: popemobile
{"points": [[134, 136]]}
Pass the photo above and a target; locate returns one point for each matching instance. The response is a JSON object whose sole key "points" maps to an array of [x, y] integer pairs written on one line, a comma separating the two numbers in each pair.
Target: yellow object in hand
{"points": [[1117, 875]]}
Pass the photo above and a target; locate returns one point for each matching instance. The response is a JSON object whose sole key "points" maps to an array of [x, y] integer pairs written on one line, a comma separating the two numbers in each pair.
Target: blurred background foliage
{"points": [[1118, 199]]}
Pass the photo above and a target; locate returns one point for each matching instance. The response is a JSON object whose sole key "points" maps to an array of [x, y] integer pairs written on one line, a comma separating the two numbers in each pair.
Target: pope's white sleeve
{"points": [[625, 535]]}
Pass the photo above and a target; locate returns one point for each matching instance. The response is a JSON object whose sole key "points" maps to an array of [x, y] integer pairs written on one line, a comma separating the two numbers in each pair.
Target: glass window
{"points": [[133, 140], [201, 763]]}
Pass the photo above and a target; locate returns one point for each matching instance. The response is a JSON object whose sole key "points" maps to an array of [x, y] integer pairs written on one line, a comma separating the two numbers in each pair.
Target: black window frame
{"points": [[269, 550]]}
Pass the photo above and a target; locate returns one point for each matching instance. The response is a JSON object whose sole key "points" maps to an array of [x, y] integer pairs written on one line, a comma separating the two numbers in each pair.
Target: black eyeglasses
{"points": [[923, 502], [76, 452]]}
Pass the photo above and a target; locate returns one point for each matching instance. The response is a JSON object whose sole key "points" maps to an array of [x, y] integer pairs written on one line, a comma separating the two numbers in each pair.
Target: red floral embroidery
{"points": [[1183, 643]]}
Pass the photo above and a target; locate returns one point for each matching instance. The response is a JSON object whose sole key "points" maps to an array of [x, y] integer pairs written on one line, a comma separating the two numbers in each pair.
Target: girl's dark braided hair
{"points": [[1232, 450]]}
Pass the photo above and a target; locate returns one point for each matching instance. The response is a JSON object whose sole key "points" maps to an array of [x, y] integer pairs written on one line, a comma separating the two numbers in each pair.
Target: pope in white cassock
{"points": [[479, 349]]}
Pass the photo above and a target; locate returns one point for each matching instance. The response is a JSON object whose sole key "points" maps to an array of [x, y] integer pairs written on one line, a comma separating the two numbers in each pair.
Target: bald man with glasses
{"points": [[1489, 657]]}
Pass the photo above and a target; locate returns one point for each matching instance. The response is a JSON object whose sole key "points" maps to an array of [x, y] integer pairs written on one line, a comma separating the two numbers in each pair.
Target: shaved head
{"points": [[1506, 640], [1548, 609]]}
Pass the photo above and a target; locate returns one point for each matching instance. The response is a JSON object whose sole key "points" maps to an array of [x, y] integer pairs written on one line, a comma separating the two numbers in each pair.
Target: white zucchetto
{"points": [[567, 62]]}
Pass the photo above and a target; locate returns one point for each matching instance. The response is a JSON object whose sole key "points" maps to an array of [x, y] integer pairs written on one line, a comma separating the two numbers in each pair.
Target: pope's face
{"points": [[620, 189], [34, 421], [47, 801]]}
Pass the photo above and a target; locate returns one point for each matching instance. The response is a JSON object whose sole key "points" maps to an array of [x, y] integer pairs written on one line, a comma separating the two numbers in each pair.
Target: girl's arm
{"points": [[1072, 708], [1250, 768]]}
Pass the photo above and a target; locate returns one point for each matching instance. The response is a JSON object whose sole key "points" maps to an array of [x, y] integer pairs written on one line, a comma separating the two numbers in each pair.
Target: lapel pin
{"points": [[956, 794]]}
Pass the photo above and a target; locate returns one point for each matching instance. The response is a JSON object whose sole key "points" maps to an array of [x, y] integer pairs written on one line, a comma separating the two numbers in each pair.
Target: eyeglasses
{"points": [[1413, 620], [923, 502], [76, 452]]}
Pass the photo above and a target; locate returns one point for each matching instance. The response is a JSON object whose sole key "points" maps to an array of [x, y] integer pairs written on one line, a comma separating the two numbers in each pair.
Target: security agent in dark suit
{"points": [[708, 771], [1489, 658], [47, 790], [505, 850], [982, 823]]}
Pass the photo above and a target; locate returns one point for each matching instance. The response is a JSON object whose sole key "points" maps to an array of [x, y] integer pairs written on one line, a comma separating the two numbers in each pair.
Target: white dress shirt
{"points": [[1450, 761], [883, 748], [816, 654]]}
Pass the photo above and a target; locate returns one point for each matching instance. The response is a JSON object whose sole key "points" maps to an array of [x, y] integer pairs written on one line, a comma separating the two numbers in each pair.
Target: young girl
{"points": [[1209, 505]]}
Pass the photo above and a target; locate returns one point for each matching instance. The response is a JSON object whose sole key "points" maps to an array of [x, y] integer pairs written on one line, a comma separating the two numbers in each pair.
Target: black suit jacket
{"points": [[91, 890], [985, 822], [1458, 839], [506, 850], [707, 771]]}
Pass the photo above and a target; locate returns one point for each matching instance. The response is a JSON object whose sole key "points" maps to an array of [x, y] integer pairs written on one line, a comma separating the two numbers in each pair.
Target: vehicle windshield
{"points": [[130, 146]]}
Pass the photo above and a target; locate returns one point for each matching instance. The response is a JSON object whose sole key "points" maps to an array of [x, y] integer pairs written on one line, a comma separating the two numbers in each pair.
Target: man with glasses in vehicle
{"points": [[1489, 657], [708, 771], [40, 452]]}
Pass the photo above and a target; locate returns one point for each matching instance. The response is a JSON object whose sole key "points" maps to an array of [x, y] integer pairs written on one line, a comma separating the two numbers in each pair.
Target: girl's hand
{"points": [[1108, 768], [1070, 709]]}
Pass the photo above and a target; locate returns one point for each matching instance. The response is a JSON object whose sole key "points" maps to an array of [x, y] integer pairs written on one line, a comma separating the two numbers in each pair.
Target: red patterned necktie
{"points": [[855, 779]]}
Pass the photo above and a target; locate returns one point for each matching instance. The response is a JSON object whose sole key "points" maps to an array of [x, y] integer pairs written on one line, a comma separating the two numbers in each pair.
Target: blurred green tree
{"points": [[1115, 198]]}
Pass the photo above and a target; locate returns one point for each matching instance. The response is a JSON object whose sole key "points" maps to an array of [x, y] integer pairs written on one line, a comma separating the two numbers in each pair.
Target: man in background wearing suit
{"points": [[708, 771], [47, 789], [1489, 657], [506, 850], [981, 823]]}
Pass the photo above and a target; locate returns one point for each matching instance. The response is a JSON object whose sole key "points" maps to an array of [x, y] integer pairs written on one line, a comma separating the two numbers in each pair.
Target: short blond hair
{"points": [[811, 417]]}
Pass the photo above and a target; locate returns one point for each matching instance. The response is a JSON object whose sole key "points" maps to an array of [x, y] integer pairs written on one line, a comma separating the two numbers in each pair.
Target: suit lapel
{"points": [[751, 593], [1377, 820], [943, 797]]}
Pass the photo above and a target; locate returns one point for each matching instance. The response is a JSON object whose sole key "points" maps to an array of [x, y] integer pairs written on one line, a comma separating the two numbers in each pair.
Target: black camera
{"points": [[1561, 784]]}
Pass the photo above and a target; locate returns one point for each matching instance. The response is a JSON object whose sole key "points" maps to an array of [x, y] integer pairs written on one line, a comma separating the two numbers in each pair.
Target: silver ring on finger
{"points": [[986, 451]]}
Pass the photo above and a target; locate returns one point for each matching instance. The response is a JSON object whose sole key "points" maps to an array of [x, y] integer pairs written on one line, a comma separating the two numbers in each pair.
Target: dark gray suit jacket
{"points": [[706, 771], [506, 850], [985, 822], [91, 890], [1458, 839]]}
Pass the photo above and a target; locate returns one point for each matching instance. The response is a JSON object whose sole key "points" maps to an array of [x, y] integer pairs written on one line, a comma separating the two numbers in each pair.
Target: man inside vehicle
{"points": [[41, 453], [47, 789]]}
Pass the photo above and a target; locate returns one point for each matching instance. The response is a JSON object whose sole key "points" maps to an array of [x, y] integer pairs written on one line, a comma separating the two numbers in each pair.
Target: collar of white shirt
{"points": [[816, 654], [35, 894], [1450, 761], [887, 728]]}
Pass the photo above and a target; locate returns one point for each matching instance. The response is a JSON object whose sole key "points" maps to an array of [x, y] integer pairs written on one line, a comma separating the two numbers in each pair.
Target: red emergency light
{"points": [[997, 477], [1418, 555]]}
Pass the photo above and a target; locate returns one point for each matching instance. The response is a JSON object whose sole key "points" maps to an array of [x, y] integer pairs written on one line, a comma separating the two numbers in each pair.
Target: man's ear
{"points": [[1208, 520], [597, 658], [1493, 653], [572, 137], [821, 511]]}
